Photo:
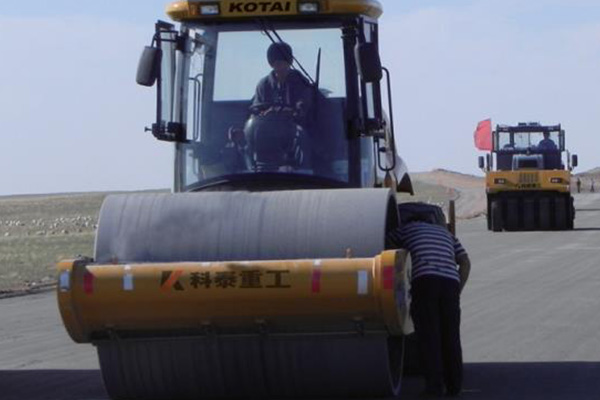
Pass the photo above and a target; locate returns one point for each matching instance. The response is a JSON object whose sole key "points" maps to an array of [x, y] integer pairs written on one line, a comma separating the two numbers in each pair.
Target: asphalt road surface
{"points": [[531, 323]]}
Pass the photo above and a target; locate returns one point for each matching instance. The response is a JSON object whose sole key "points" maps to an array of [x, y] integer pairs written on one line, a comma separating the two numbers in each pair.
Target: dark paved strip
{"points": [[42, 384]]}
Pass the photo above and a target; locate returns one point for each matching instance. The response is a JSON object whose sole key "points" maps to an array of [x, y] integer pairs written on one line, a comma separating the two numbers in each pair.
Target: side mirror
{"points": [[574, 160], [368, 62], [149, 66], [481, 162]]}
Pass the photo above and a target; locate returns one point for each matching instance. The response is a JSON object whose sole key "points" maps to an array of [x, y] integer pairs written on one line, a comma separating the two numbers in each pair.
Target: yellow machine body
{"points": [[528, 180], [227, 9], [283, 296], [237, 291]]}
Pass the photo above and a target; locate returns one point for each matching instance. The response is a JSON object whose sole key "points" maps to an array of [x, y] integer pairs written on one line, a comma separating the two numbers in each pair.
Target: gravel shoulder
{"points": [[36, 231]]}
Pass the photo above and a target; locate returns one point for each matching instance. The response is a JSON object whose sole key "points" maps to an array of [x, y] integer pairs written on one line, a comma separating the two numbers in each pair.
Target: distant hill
{"points": [[592, 173], [450, 179], [441, 185], [447, 171]]}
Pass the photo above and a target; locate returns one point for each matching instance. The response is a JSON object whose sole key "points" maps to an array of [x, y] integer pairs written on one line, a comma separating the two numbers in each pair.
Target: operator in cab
{"points": [[546, 143], [284, 89]]}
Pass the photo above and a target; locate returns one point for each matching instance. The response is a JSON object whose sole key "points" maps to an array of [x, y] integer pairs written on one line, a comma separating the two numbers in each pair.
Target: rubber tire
{"points": [[529, 215], [496, 216], [544, 213], [512, 214], [560, 213], [571, 220]]}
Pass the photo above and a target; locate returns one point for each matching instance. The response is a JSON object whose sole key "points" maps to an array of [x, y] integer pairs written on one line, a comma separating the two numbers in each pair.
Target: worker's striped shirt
{"points": [[433, 249]]}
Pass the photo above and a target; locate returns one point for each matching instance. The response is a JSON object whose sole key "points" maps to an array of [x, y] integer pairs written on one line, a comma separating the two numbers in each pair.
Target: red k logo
{"points": [[170, 280]]}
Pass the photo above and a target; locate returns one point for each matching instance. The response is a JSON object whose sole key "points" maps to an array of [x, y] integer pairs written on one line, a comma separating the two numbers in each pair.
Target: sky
{"points": [[73, 117]]}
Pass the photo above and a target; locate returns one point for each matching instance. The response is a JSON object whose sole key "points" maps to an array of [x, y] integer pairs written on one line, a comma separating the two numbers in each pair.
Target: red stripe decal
{"points": [[88, 283], [388, 278], [316, 281]]}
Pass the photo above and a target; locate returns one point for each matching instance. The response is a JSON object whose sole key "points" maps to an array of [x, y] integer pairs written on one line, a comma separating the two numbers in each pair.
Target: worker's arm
{"points": [[464, 268]]}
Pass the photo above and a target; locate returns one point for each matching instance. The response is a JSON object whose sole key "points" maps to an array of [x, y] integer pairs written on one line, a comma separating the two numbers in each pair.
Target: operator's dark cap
{"points": [[280, 52]]}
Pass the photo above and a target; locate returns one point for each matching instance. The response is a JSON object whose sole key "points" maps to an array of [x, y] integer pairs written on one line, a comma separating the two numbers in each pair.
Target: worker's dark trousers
{"points": [[435, 310]]}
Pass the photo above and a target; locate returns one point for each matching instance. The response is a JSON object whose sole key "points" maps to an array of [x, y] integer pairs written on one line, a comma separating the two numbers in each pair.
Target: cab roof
{"points": [[236, 9], [528, 127]]}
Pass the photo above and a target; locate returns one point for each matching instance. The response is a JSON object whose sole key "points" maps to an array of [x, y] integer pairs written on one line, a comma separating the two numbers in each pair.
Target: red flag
{"points": [[483, 135]]}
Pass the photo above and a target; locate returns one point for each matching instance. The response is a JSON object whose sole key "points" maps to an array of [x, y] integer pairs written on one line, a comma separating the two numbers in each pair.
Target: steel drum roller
{"points": [[187, 300], [238, 226]]}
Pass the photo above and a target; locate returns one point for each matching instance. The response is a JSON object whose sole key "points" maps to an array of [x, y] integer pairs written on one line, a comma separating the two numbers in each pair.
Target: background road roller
{"points": [[530, 186], [265, 272]]}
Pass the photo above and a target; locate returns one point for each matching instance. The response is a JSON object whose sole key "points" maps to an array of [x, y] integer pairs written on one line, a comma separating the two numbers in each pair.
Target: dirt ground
{"points": [[467, 190], [37, 231], [590, 181]]}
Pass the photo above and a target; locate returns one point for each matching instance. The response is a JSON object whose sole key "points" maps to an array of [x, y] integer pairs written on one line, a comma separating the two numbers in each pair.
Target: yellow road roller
{"points": [[529, 188], [265, 273]]}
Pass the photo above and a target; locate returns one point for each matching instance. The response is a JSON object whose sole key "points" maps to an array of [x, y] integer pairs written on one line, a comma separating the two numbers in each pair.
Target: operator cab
{"points": [[529, 146], [208, 71]]}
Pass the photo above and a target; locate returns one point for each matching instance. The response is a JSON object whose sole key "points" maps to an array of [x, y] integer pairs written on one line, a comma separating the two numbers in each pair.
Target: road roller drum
{"points": [[238, 321]]}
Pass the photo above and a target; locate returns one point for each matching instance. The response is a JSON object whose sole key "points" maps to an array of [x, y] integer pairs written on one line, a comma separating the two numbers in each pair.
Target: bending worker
{"points": [[436, 285], [284, 89]]}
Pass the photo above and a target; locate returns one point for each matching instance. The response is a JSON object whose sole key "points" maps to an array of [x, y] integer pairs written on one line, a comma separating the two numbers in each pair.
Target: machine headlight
{"points": [[555, 180], [308, 7], [500, 181], [209, 9]]}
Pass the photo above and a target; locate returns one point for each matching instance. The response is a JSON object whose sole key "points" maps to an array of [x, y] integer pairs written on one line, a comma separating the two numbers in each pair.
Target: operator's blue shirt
{"points": [[271, 92], [547, 144]]}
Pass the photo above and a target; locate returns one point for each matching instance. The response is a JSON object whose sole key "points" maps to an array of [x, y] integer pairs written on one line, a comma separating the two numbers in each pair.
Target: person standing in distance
{"points": [[436, 285]]}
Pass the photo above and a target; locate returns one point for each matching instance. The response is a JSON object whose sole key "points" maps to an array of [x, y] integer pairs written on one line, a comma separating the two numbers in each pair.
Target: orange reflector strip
{"points": [[316, 281], [88, 283], [388, 278]]}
